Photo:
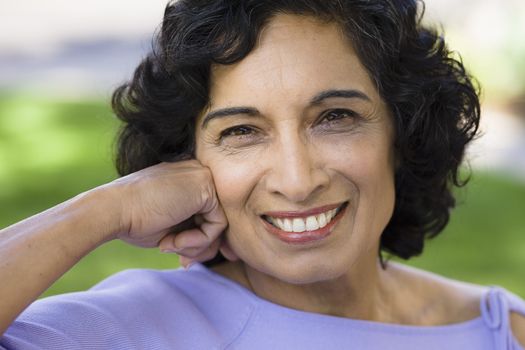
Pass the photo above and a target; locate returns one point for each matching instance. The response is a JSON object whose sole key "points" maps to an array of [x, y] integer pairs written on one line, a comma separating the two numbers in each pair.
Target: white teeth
{"points": [[298, 225], [321, 218], [287, 225], [311, 223]]}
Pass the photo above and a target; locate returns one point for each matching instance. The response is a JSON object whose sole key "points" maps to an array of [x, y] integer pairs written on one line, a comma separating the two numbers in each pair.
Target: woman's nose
{"points": [[296, 171]]}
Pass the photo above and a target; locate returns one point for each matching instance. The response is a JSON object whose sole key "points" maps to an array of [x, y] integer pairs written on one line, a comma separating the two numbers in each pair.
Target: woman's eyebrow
{"points": [[320, 97], [225, 112], [316, 100]]}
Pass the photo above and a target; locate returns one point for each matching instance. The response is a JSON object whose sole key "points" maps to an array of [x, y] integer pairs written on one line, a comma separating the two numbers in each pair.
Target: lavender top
{"points": [[199, 309]]}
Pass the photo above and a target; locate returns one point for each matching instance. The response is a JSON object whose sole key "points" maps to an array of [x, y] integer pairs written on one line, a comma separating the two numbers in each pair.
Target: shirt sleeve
{"points": [[100, 318], [135, 309], [67, 322]]}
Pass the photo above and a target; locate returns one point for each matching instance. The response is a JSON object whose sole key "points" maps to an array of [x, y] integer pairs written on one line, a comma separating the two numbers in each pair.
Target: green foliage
{"points": [[51, 151], [484, 242]]}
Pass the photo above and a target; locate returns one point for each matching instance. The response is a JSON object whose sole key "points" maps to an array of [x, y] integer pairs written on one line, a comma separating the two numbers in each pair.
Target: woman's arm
{"points": [[37, 251], [142, 208]]}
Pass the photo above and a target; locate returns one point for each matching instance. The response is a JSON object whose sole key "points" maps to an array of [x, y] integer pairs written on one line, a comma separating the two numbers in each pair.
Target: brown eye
{"points": [[240, 130], [337, 114], [337, 120]]}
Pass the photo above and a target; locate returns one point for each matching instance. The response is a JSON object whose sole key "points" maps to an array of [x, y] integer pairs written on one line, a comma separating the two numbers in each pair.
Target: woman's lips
{"points": [[306, 236]]}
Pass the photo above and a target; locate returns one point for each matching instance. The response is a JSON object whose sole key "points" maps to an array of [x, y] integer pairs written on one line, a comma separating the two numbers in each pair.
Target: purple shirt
{"points": [[199, 309]]}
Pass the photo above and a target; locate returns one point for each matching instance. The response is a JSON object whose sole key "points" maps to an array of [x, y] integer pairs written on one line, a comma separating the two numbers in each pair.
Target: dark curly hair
{"points": [[433, 101]]}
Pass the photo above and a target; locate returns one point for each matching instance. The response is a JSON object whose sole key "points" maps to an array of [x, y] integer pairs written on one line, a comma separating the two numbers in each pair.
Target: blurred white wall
{"points": [[490, 35], [64, 41], [42, 27], [73, 48]]}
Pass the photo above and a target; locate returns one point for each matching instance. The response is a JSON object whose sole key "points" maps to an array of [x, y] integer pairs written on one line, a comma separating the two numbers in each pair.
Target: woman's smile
{"points": [[308, 226]]}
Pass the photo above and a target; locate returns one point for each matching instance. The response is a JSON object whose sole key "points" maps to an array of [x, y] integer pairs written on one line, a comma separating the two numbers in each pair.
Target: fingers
{"points": [[214, 220], [184, 225], [192, 245], [198, 231], [191, 242], [207, 254], [201, 241]]}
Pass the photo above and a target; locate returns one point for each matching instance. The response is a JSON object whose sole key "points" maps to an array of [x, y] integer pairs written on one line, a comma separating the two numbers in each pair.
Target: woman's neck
{"points": [[398, 294], [361, 293]]}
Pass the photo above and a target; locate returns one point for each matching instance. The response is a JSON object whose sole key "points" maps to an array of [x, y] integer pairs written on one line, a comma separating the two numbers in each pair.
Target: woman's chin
{"points": [[300, 274]]}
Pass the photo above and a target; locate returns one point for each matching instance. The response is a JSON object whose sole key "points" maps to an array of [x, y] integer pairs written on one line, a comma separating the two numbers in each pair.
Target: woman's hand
{"points": [[170, 205], [173, 206]]}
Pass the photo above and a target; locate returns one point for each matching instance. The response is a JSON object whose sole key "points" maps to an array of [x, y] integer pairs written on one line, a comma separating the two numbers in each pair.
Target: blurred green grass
{"points": [[52, 150]]}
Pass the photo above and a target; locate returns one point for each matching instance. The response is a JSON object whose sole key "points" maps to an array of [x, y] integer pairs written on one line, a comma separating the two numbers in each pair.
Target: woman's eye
{"points": [[338, 120], [241, 130], [338, 114], [239, 136]]}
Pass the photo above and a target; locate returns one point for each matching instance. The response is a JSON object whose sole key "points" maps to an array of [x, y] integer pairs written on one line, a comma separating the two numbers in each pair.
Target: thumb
{"points": [[214, 220]]}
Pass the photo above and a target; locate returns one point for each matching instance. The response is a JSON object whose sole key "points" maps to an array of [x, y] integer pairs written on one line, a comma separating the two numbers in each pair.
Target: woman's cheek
{"points": [[233, 182]]}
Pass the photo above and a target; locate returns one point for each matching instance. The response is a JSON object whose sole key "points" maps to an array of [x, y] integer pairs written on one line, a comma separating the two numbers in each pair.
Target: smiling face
{"points": [[296, 133]]}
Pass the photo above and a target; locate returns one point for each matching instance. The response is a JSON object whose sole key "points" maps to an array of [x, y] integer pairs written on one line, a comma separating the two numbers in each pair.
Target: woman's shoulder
{"points": [[133, 308], [445, 300], [165, 293]]}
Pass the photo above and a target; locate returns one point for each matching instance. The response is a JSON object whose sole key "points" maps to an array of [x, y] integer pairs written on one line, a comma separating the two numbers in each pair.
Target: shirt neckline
{"points": [[336, 320]]}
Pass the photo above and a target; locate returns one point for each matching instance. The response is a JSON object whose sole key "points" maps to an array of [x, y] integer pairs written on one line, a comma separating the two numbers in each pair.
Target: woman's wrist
{"points": [[98, 213]]}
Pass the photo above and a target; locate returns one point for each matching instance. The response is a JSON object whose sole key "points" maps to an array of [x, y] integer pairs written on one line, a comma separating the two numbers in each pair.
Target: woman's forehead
{"points": [[296, 57]]}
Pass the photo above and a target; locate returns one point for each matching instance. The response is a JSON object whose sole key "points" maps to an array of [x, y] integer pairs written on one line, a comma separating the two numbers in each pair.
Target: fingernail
{"points": [[189, 265], [171, 250], [168, 251]]}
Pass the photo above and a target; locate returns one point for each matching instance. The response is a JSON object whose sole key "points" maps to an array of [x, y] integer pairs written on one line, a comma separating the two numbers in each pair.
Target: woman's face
{"points": [[294, 132]]}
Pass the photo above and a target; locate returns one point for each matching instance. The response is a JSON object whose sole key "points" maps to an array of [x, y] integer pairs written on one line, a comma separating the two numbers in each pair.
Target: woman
{"points": [[300, 140]]}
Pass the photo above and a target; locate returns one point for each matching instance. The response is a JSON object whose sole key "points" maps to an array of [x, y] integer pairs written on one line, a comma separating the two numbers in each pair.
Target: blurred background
{"points": [[60, 61]]}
